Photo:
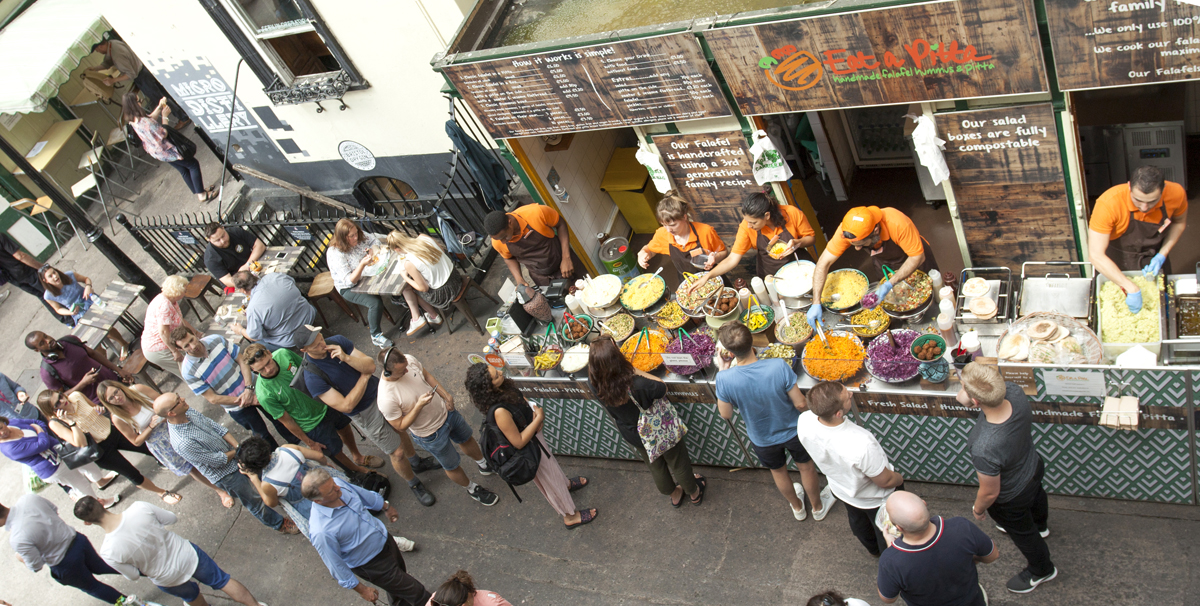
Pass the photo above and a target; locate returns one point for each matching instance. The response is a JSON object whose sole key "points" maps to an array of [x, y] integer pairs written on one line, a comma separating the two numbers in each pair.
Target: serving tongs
{"points": [[821, 334]]}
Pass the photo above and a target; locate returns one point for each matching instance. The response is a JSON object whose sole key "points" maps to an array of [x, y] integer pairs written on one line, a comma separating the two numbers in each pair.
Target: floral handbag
{"points": [[659, 427]]}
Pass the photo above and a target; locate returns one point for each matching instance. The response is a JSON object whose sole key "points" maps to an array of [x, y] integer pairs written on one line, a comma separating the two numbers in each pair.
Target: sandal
{"points": [[576, 483], [104, 484], [699, 498], [210, 194], [585, 517], [168, 496], [369, 461]]}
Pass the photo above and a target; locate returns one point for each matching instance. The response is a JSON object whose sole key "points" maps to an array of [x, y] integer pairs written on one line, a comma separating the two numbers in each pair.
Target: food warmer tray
{"points": [[1000, 291], [1057, 291]]}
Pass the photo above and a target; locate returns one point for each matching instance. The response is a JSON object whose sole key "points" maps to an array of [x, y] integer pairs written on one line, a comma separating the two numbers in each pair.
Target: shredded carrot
{"points": [[840, 361], [648, 353]]}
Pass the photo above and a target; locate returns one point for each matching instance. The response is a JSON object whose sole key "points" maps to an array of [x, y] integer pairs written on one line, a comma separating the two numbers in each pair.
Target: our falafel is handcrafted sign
{"points": [[939, 50]]}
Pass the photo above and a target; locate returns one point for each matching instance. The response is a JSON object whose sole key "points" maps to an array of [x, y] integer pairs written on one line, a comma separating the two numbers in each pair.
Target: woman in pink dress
{"points": [[460, 591]]}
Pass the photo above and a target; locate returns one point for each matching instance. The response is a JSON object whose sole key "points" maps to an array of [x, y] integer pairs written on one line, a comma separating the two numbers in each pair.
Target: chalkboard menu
{"points": [[645, 81], [1107, 43], [1007, 176], [712, 172], [937, 50]]}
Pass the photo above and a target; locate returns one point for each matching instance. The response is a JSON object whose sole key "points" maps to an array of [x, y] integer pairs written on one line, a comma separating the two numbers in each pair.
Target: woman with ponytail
{"points": [[460, 591]]}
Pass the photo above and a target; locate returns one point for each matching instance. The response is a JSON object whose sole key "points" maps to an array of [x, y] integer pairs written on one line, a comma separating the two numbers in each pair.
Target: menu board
{"points": [[713, 172], [645, 81], [1101, 44], [936, 50], [1008, 181]]}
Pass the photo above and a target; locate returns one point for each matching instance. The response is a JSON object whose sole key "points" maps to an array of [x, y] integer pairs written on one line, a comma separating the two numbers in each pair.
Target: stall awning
{"points": [[41, 47]]}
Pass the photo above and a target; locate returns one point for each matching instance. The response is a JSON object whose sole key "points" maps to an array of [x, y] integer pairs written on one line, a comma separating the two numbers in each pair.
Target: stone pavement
{"points": [[741, 547]]}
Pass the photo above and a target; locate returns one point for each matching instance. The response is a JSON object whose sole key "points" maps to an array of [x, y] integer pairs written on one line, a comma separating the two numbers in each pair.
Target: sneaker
{"points": [[484, 496], [827, 500], [404, 544], [381, 341], [435, 320], [1045, 534], [417, 325], [484, 470], [1024, 582], [801, 513], [289, 527], [426, 464], [423, 496]]}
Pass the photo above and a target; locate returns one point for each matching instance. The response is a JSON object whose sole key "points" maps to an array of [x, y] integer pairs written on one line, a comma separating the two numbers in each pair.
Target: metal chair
{"points": [[119, 142], [93, 161], [41, 206]]}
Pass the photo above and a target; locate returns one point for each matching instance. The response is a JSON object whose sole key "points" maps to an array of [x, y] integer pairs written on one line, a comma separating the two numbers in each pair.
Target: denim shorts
{"points": [[207, 572], [441, 443], [775, 457], [325, 433]]}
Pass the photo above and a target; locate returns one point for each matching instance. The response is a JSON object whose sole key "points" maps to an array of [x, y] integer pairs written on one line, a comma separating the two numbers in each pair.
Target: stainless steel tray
{"points": [[1057, 292]]}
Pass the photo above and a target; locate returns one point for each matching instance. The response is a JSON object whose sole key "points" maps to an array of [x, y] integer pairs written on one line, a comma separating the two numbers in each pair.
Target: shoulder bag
{"points": [[183, 145], [659, 427], [73, 456]]}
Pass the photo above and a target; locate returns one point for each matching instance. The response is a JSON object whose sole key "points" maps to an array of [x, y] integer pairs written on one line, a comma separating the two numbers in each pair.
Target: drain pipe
{"points": [[228, 137]]}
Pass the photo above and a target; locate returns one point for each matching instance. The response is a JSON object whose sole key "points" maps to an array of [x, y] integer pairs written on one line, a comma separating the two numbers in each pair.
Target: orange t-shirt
{"points": [[705, 235], [794, 220], [895, 226], [1111, 215], [538, 217]]}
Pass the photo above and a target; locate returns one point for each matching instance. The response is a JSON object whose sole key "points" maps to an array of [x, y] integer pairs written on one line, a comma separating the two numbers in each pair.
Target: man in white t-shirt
{"points": [[137, 543], [851, 459]]}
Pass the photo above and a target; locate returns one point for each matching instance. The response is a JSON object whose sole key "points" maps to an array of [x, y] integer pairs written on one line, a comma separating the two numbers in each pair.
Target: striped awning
{"points": [[40, 49]]}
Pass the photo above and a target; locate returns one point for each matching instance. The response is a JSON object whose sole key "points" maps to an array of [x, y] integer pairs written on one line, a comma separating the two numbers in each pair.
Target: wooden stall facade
{"points": [[712, 172]]}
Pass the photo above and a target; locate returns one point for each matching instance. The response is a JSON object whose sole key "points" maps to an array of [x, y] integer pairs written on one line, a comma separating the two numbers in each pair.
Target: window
{"points": [[288, 47], [378, 194]]}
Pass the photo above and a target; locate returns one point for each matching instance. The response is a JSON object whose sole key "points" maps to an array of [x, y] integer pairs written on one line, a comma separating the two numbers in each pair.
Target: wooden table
{"points": [[390, 281], [218, 325], [279, 259], [93, 327], [56, 138]]}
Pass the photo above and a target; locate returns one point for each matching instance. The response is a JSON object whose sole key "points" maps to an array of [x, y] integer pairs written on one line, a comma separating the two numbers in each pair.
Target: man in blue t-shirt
{"points": [[347, 383], [933, 563], [766, 394]]}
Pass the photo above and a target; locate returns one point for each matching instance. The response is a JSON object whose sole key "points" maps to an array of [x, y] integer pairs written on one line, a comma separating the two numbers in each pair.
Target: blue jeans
{"points": [[239, 487], [325, 433], [252, 419], [79, 565], [189, 169], [374, 306], [441, 443], [207, 572]]}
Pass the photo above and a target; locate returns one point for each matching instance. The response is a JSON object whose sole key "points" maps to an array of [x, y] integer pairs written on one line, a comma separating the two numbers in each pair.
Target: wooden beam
{"points": [[303, 191]]}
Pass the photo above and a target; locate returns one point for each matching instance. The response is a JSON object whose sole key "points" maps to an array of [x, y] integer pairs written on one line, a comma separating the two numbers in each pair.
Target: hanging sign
{"points": [[923, 52], [712, 172], [1075, 383], [644, 81], [184, 237], [1118, 43], [300, 233], [356, 155]]}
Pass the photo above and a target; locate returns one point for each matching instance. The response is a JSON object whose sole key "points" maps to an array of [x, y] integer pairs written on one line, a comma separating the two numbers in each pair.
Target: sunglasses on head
{"points": [[258, 355]]}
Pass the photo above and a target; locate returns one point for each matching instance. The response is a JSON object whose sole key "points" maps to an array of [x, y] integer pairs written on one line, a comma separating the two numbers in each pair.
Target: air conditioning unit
{"points": [[1158, 144]]}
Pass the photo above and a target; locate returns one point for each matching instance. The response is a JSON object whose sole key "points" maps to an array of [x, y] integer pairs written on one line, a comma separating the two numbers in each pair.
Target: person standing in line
{"points": [[350, 252], [137, 543], [766, 394], [318, 426], [211, 370], [413, 401], [1010, 470], [346, 383], [27, 442], [275, 309], [69, 365], [933, 563], [497, 397], [41, 538], [230, 250], [70, 295], [156, 144], [209, 448], [459, 590], [851, 458], [351, 541], [625, 392], [278, 474], [14, 401], [162, 316], [20, 268]]}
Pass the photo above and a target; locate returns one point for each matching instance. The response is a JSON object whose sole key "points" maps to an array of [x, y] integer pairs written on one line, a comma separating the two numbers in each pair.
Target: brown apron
{"points": [[683, 258], [893, 256], [1140, 242], [542, 256], [768, 265]]}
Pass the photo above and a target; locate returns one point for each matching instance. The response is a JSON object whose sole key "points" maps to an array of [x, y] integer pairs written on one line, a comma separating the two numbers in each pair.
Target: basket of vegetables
{"points": [[576, 328], [759, 317], [910, 298], [692, 301], [645, 350], [671, 316], [793, 329], [893, 362], [701, 346], [778, 350], [873, 322], [839, 361], [548, 358], [619, 327]]}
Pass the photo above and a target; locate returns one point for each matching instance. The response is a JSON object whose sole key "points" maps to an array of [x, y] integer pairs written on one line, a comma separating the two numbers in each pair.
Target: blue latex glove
{"points": [[883, 290], [1134, 301], [814, 314], [1151, 270]]}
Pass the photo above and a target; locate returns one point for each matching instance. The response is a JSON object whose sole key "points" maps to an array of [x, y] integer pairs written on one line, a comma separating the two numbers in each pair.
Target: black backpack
{"points": [[371, 480], [516, 466]]}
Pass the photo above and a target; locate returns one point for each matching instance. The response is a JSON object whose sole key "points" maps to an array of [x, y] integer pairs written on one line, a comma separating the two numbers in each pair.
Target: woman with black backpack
{"points": [[501, 403], [626, 393]]}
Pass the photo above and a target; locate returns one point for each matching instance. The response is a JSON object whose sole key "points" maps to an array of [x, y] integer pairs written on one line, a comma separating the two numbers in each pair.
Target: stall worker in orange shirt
{"points": [[766, 226], [1134, 226], [683, 239], [535, 236], [891, 238]]}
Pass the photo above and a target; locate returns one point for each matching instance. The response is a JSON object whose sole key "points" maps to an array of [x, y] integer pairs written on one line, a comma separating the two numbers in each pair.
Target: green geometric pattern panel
{"points": [[1151, 387], [930, 449]]}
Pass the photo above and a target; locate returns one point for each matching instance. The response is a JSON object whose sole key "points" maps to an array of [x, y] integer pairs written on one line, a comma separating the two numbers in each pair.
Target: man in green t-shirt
{"points": [[318, 426]]}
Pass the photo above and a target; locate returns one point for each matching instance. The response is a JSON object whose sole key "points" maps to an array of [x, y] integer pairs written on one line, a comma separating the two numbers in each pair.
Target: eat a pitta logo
{"points": [[790, 68]]}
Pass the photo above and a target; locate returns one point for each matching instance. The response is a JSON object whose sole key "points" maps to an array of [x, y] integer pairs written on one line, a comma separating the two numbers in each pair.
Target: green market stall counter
{"points": [[925, 432]]}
